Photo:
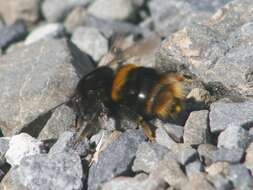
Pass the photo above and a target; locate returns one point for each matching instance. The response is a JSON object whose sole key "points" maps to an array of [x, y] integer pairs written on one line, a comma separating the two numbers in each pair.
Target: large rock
{"points": [[52, 171], [36, 79], [210, 49], [27, 10], [116, 159], [170, 16]]}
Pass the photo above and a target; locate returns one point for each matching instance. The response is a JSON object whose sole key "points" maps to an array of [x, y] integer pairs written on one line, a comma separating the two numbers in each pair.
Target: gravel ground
{"points": [[46, 46]]}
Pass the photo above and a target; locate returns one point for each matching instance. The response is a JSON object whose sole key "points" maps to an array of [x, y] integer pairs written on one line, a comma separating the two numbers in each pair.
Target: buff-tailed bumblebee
{"points": [[143, 91]]}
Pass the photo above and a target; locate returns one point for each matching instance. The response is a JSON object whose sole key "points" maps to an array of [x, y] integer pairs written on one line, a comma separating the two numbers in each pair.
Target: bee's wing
{"points": [[141, 48]]}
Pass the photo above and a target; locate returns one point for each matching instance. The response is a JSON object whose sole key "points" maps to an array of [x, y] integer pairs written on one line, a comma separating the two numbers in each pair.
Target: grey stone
{"points": [[223, 114], [147, 156], [196, 128], [30, 89], [194, 167], [169, 170], [21, 146], [170, 16], [52, 171], [249, 157], [234, 137], [62, 119], [231, 156], [206, 152], [198, 182], [218, 168], [208, 46], [116, 159], [174, 131], [163, 138], [240, 177], [69, 142], [238, 62], [128, 183], [112, 9], [184, 153], [27, 10], [4, 146], [90, 41], [50, 30], [12, 33], [56, 10], [220, 182]]}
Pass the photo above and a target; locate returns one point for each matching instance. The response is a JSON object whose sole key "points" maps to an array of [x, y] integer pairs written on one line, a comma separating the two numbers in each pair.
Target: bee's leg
{"points": [[78, 123], [148, 128], [86, 128]]}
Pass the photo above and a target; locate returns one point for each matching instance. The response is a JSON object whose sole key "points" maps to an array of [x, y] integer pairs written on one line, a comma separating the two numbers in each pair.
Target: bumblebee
{"points": [[143, 91]]}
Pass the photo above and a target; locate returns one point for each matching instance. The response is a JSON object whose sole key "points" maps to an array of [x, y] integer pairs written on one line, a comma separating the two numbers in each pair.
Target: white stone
{"points": [[20, 146], [51, 30]]}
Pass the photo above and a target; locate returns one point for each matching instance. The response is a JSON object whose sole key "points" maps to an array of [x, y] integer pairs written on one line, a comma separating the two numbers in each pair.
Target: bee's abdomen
{"points": [[132, 85], [165, 98]]}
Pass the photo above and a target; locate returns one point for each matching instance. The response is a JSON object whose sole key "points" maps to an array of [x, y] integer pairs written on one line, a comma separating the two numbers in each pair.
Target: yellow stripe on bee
{"points": [[120, 80]]}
